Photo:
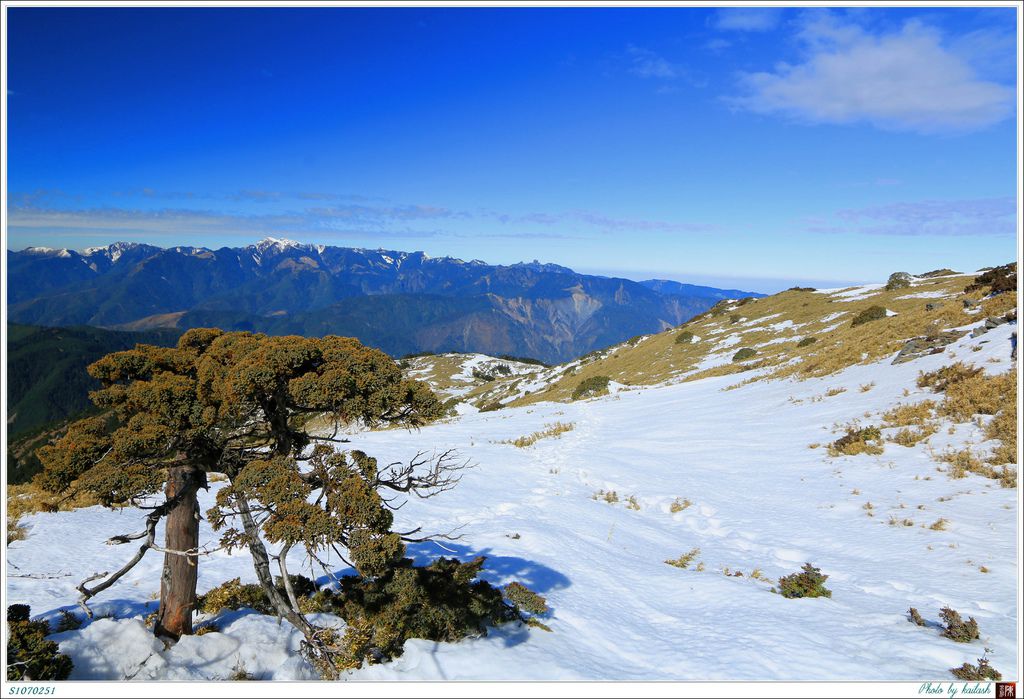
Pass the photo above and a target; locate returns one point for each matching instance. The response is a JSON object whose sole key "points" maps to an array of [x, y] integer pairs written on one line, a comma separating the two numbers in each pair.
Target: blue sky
{"points": [[735, 146]]}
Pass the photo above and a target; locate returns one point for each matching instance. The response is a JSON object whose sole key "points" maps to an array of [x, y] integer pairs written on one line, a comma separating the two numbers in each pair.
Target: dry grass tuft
{"points": [[858, 440], [684, 560], [678, 505], [551, 430], [905, 414]]}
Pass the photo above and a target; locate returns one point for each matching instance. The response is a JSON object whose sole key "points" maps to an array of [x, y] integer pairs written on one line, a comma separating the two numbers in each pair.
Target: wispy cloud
{"points": [[907, 80], [645, 63], [748, 19], [346, 220], [995, 216]]}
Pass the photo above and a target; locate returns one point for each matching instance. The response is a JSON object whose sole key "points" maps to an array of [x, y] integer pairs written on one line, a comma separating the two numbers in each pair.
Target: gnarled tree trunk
{"points": [[180, 573]]}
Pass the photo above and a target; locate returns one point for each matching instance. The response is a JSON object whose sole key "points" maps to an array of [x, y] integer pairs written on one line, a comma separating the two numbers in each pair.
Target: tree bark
{"points": [[180, 573]]}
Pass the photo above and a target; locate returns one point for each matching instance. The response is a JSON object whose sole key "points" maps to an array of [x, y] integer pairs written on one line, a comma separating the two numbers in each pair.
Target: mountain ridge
{"points": [[401, 302]]}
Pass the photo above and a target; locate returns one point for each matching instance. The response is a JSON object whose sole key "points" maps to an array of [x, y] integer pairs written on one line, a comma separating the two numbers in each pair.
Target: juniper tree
{"points": [[156, 432], [240, 404]]}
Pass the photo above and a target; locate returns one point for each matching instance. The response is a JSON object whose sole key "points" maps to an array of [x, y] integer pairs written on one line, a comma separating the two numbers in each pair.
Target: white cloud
{"points": [[647, 64], [748, 19], [906, 80]]}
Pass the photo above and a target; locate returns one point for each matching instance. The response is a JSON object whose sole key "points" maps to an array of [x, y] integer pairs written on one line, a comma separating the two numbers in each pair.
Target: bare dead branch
{"points": [[424, 476]]}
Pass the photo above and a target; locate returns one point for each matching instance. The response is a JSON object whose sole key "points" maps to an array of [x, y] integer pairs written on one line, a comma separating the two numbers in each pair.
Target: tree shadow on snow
{"points": [[498, 570]]}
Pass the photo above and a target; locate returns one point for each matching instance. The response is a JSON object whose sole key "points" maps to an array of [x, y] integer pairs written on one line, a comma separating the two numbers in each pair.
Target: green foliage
{"points": [[735, 318], [808, 583], [684, 338], [591, 386], [68, 622], [743, 354], [983, 672], [525, 599], [491, 407], [997, 280], [868, 314], [807, 341], [29, 655], [439, 602], [898, 280], [522, 360], [956, 628], [234, 595]]}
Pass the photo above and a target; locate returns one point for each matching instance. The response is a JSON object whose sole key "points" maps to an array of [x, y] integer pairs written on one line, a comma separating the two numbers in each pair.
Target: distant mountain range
{"points": [[400, 302]]}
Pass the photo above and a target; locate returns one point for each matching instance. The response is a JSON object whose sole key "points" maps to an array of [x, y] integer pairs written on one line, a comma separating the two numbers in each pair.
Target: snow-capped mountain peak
{"points": [[277, 245]]}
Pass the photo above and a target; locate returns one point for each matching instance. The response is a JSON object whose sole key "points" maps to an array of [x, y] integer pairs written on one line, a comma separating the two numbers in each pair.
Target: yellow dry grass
{"points": [[550, 430]]}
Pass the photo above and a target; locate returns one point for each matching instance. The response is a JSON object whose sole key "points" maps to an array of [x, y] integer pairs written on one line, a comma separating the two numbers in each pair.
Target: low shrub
{"points": [[808, 583], [743, 354], [591, 386], [942, 378], [858, 440], [868, 314], [440, 602], [982, 673], [482, 375], [491, 407], [906, 414], [68, 622], [979, 394], [908, 437], [684, 338], [30, 657], [232, 594], [956, 628], [809, 340], [997, 280], [525, 599], [916, 617], [522, 360]]}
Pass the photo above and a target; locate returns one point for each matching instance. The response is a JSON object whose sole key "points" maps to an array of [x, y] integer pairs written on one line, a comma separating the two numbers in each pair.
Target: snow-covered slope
{"points": [[758, 497]]}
